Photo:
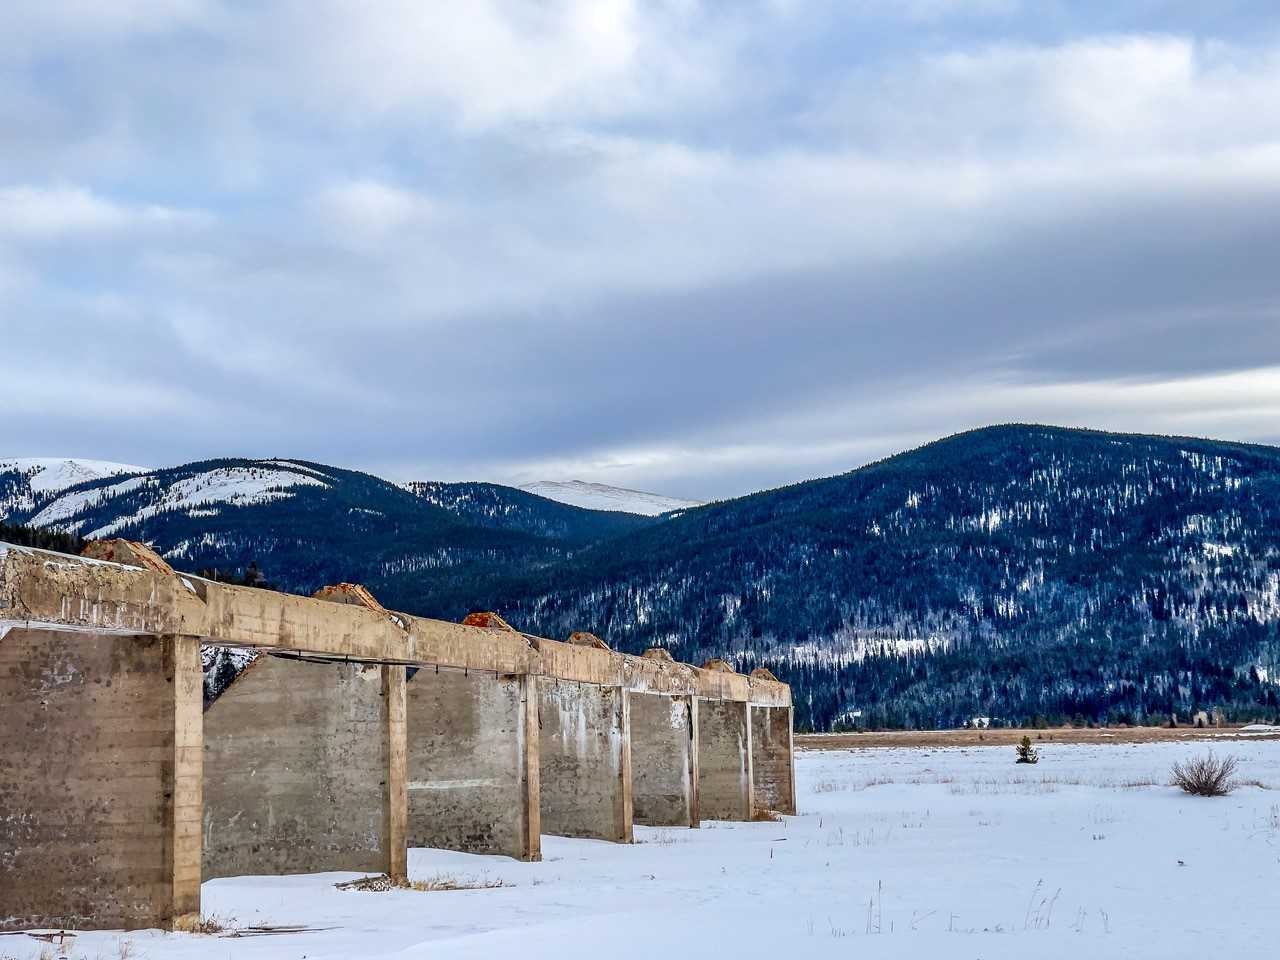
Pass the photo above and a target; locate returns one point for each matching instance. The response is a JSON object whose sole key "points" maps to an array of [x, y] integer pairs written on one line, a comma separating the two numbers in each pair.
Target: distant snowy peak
{"points": [[26, 482], [599, 496], [51, 474], [104, 506]]}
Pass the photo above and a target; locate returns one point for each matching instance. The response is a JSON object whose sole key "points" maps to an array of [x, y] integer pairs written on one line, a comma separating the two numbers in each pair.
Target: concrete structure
{"points": [[664, 760], [109, 770], [586, 760], [725, 781], [296, 770], [473, 769], [99, 779], [772, 773]]}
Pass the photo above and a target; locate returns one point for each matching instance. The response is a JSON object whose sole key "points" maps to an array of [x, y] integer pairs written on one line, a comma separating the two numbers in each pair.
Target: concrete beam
{"points": [[48, 590], [473, 763], [585, 760], [664, 760], [100, 789]]}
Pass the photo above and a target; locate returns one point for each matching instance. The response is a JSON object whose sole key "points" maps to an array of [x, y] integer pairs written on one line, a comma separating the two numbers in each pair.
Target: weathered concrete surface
{"points": [[724, 760], [664, 760], [395, 799], [585, 759], [469, 767], [297, 764], [772, 759], [99, 780], [43, 589]]}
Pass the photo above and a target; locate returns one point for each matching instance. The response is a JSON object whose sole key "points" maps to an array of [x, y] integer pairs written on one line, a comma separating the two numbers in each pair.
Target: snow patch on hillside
{"points": [[70, 504], [38, 478], [600, 496], [232, 486], [51, 474]]}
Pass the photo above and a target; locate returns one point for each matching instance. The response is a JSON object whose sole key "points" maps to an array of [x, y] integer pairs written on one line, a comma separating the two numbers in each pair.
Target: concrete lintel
{"points": [[58, 591]]}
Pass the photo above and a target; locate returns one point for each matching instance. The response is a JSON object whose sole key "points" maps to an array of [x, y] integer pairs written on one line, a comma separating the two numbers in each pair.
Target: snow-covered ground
{"points": [[909, 853], [601, 496]]}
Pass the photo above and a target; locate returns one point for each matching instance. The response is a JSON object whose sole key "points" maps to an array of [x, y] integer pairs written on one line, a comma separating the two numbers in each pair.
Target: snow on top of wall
{"points": [[51, 474], [600, 496]]}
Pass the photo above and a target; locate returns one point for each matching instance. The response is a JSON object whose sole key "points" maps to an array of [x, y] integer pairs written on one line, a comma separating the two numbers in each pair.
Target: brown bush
{"points": [[1205, 776]]}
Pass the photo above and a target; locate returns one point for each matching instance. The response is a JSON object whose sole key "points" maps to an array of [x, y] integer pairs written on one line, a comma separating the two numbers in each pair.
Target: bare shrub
{"points": [[440, 881], [446, 881], [1206, 776]]}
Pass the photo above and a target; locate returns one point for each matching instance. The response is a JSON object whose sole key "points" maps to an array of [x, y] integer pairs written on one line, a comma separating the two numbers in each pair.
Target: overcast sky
{"points": [[695, 248]]}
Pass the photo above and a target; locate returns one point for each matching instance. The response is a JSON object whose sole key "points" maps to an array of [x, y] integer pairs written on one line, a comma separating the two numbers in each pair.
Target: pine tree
{"points": [[1026, 752]]}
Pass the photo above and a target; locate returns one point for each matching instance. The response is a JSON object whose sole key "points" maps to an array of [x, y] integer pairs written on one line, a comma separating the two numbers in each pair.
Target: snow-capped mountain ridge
{"points": [[37, 478], [601, 496]]}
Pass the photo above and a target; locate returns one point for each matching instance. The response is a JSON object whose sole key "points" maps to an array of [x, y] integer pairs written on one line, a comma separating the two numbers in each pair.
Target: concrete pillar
{"points": [[772, 759], [585, 755], [99, 780], [396, 798], [664, 761], [473, 763], [724, 760], [298, 772]]}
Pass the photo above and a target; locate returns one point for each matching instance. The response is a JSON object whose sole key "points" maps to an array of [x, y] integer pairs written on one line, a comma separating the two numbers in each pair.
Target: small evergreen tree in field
{"points": [[1026, 752]]}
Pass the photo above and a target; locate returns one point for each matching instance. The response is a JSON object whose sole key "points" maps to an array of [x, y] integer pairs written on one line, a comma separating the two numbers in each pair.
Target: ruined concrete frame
{"points": [[664, 759], [47, 591]]}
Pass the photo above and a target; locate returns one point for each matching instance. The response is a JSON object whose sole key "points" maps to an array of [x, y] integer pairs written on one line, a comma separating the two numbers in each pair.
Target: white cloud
{"points": [[1098, 96], [553, 186], [51, 213]]}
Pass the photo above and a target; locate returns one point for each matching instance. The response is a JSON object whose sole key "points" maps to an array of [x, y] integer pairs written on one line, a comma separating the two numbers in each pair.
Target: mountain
{"points": [[25, 480], [599, 496], [1017, 572], [511, 508], [307, 524], [1013, 571]]}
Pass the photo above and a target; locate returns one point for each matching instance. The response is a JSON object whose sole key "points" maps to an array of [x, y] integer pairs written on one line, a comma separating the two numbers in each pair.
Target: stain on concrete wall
{"points": [[585, 761], [467, 773], [771, 759], [296, 767], [662, 760], [724, 760], [87, 758]]}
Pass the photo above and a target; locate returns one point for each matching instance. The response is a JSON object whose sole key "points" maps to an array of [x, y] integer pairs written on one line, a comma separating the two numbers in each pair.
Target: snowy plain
{"points": [[897, 852]]}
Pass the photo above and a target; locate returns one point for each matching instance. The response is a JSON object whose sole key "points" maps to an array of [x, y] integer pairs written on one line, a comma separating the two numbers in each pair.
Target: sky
{"points": [[697, 248]]}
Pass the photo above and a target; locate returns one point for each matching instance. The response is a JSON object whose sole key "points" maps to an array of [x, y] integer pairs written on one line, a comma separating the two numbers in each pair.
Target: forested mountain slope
{"points": [[1013, 571], [307, 524], [1009, 571]]}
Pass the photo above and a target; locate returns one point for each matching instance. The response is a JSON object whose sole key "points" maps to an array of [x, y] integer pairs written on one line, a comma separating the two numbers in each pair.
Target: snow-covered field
{"points": [[920, 853]]}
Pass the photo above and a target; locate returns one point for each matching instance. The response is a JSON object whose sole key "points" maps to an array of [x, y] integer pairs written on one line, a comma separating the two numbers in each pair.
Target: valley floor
{"points": [[899, 852]]}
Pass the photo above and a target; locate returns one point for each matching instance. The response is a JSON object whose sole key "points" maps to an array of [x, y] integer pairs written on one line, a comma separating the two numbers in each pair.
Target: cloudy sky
{"points": [[701, 248]]}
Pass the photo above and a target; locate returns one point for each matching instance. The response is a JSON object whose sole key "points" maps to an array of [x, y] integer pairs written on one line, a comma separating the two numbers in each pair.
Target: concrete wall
{"points": [[585, 760], [297, 770], [664, 760], [724, 760], [99, 780], [473, 763], [772, 761]]}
